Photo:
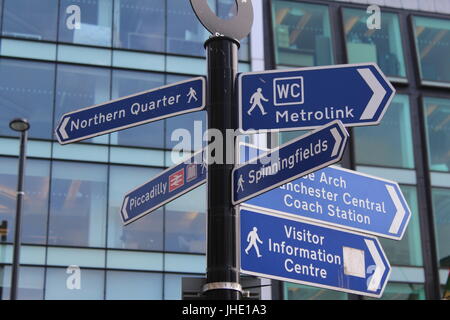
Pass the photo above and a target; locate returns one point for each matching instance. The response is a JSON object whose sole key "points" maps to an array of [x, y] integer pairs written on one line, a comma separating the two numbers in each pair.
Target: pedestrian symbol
{"points": [[192, 95], [252, 238], [255, 99], [240, 184]]}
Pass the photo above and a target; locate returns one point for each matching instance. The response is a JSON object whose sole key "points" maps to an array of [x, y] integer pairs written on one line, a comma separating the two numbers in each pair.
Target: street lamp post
{"points": [[22, 126]]}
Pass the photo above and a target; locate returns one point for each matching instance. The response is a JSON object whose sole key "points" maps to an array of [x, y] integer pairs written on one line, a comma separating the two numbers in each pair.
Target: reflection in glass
{"points": [[300, 292], [122, 285], [147, 233], [437, 124], [433, 48], [26, 91], [80, 87], [441, 205], [302, 34], [92, 285], [31, 283], [30, 19], [185, 34], [35, 201], [186, 222], [382, 46], [408, 251], [402, 291], [125, 83], [94, 25], [139, 24], [391, 139], [78, 204]]}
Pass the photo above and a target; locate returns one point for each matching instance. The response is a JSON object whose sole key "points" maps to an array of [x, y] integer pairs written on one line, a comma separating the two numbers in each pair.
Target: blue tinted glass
{"points": [[78, 204], [402, 291], [147, 232], [35, 201], [300, 292], [129, 82], [30, 19], [85, 22], [441, 203], [31, 283], [139, 24], [64, 284], [133, 286], [80, 87], [26, 91], [185, 34]]}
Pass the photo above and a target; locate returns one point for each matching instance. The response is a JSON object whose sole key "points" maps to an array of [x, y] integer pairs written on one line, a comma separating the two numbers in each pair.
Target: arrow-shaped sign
{"points": [[298, 99], [291, 250], [137, 109], [290, 161], [165, 187]]}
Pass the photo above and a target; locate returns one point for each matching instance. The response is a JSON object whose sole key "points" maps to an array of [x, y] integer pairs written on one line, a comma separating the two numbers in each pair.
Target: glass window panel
{"points": [[31, 283], [26, 91], [300, 292], [147, 233], [133, 286], [408, 251], [302, 34], [186, 222], [437, 124], [139, 24], [433, 48], [35, 201], [382, 46], [92, 284], [78, 204], [30, 19], [173, 287], [130, 82], [391, 139], [94, 24], [80, 87], [402, 291], [185, 34], [441, 205]]}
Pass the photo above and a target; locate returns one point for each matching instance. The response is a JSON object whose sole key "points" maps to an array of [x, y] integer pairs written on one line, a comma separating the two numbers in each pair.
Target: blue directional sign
{"points": [[291, 250], [297, 99], [144, 107], [339, 197], [290, 161], [165, 187]]}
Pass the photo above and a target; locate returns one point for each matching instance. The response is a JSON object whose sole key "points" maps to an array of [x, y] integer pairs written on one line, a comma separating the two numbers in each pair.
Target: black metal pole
{"points": [[18, 224], [222, 274]]}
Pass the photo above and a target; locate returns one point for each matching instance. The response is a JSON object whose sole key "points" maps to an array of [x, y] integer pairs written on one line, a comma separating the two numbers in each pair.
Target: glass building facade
{"points": [[60, 55]]}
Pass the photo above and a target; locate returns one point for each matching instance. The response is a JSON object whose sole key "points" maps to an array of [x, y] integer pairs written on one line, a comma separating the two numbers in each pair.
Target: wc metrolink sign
{"points": [[296, 158], [140, 108], [165, 187], [306, 98], [291, 250]]}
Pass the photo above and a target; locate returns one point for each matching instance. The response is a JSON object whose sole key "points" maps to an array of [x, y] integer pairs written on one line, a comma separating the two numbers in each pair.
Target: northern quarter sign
{"points": [[297, 99], [296, 158], [342, 198], [140, 108], [291, 250], [165, 187]]}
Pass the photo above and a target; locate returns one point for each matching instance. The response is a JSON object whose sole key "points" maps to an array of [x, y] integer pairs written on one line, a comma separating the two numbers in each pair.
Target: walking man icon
{"points": [[240, 184], [252, 239], [192, 95], [255, 99]]}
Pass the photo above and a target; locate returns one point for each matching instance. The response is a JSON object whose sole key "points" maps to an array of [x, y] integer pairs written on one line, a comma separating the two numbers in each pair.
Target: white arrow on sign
{"points": [[377, 96], [62, 129], [375, 281], [124, 208], [337, 137], [399, 207]]}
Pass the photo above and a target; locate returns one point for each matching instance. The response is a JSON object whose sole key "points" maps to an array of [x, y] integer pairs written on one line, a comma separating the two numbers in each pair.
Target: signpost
{"points": [[144, 107], [297, 99], [165, 187], [290, 161], [285, 249], [342, 198]]}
